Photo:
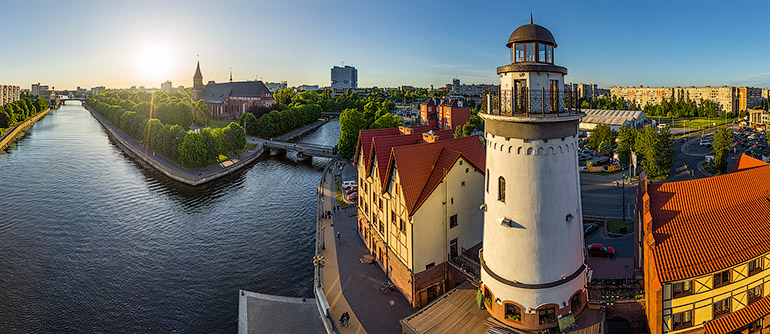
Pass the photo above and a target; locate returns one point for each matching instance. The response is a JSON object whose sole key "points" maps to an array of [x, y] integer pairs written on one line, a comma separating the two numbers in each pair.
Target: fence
{"points": [[525, 102]]}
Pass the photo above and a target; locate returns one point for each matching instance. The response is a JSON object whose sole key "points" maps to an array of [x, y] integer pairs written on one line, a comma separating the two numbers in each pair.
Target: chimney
{"points": [[405, 130], [430, 137]]}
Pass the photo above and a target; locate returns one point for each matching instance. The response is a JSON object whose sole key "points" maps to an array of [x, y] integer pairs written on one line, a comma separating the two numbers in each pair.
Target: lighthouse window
{"points": [[549, 54], [519, 52], [501, 189], [530, 51], [541, 52]]}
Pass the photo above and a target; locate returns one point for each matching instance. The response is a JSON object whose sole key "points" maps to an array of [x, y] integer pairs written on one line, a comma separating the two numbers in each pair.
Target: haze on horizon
{"points": [[391, 43]]}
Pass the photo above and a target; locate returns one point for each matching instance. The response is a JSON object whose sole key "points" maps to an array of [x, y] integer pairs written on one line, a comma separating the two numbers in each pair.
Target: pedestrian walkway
{"points": [[330, 273], [358, 281]]}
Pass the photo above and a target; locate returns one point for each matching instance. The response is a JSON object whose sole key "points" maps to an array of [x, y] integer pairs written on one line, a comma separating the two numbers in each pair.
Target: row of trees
{"points": [[677, 107], [17, 111], [278, 122], [607, 103], [191, 148], [352, 121], [654, 149]]}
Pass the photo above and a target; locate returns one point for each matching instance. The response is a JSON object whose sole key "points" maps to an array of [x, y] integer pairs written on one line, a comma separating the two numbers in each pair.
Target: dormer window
{"points": [[533, 52]]}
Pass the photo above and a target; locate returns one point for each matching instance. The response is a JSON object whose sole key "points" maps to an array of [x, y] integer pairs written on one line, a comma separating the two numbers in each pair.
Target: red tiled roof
{"points": [[382, 145], [421, 167], [365, 138], [747, 162], [740, 318], [706, 225]]}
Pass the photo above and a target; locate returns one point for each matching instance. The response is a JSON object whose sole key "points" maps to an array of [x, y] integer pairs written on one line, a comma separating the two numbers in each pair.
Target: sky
{"points": [[119, 44]]}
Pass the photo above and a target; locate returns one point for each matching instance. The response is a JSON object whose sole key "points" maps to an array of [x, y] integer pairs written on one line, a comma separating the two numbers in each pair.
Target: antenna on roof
{"points": [[530, 18]]}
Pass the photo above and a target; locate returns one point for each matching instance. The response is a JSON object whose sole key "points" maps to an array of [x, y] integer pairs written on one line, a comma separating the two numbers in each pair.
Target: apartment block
{"points": [[9, 93]]}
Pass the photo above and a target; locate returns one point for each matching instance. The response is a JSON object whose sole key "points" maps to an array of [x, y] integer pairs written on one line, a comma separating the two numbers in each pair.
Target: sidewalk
{"points": [[331, 277], [360, 282]]}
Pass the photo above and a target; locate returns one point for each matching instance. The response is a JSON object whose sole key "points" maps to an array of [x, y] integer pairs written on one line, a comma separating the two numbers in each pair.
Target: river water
{"points": [[91, 241]]}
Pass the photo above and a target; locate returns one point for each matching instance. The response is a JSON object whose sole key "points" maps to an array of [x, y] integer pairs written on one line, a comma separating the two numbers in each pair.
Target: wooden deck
{"points": [[457, 312]]}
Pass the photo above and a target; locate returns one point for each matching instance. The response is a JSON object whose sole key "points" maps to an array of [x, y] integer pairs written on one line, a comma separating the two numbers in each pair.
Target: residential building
{"points": [[97, 90], [615, 119], [304, 88], [231, 99], [446, 113], [533, 269], [473, 90], [166, 86], [704, 247], [9, 93], [729, 99], [344, 77], [759, 117], [419, 194], [584, 91], [276, 86]]}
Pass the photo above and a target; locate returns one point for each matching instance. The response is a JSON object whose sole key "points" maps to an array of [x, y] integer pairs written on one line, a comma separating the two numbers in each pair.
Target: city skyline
{"points": [[120, 45]]}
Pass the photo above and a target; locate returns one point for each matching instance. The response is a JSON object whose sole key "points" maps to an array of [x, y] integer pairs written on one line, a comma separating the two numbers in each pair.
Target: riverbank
{"points": [[19, 128], [291, 135], [191, 176]]}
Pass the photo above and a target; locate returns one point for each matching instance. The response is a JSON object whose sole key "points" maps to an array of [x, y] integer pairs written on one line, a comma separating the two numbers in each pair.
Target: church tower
{"points": [[197, 89], [533, 264]]}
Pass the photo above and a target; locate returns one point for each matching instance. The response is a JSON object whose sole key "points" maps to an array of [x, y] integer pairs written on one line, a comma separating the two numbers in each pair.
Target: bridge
{"points": [[67, 98], [304, 150]]}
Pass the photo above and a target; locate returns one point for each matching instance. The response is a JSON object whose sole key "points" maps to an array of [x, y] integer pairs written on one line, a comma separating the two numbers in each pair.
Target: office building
{"points": [[166, 86], [344, 77]]}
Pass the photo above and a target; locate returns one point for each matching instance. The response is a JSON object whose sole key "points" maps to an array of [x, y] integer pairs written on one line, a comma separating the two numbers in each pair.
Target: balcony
{"points": [[524, 102]]}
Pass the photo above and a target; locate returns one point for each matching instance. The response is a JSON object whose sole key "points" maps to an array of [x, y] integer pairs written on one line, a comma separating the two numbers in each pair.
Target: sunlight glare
{"points": [[154, 62]]}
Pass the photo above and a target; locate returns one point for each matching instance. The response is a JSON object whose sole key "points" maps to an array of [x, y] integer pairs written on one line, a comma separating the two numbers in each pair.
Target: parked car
{"points": [[351, 190], [589, 227], [352, 197], [705, 142], [600, 250]]}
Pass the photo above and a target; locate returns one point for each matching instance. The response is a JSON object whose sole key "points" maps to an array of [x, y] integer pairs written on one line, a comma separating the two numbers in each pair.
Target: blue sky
{"points": [[119, 44]]}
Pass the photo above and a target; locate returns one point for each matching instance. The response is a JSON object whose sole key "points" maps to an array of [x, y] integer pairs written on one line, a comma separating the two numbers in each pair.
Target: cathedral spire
{"points": [[198, 71]]}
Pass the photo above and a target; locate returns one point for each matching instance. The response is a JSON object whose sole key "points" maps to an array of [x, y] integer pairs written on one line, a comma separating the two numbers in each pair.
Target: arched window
{"points": [[501, 189], [512, 312], [546, 314], [576, 302]]}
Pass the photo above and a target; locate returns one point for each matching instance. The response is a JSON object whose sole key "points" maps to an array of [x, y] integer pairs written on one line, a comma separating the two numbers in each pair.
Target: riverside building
{"points": [[532, 264], [419, 193], [9, 93], [231, 99], [705, 250]]}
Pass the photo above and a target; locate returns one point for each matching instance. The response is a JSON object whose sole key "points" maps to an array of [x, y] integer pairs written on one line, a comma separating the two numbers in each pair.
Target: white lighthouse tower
{"points": [[533, 268]]}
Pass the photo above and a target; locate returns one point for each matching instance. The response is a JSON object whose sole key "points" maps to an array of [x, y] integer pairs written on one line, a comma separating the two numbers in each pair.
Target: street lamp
{"points": [[623, 177]]}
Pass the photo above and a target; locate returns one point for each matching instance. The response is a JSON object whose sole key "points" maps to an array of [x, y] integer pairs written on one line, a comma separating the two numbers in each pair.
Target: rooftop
{"points": [[740, 318], [531, 33], [612, 117], [706, 225]]}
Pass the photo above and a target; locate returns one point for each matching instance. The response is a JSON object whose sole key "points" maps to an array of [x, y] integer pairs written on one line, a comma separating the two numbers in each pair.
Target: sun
{"points": [[154, 62]]}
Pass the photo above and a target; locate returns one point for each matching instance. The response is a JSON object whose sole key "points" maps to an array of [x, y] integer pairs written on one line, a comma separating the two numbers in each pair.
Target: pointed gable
{"points": [[421, 167]]}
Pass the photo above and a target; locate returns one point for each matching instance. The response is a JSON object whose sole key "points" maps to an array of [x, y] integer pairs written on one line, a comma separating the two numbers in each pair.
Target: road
{"points": [[602, 197]]}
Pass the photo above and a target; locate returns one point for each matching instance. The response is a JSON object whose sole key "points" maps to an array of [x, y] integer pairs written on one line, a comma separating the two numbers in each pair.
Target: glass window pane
{"points": [[519, 52], [530, 51], [549, 54], [541, 53]]}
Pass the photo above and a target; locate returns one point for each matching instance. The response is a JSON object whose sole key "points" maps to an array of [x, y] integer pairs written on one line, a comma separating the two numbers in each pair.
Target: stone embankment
{"points": [[191, 176], [11, 135]]}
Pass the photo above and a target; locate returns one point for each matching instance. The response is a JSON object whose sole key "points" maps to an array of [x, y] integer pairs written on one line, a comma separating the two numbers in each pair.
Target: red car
{"points": [[352, 197], [600, 250]]}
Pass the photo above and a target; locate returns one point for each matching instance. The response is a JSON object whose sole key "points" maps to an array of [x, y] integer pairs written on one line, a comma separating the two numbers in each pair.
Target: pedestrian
{"points": [[338, 237]]}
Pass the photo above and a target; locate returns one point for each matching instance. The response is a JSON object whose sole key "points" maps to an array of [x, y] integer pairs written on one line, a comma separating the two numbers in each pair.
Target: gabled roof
{"points": [[364, 143], [747, 162], [219, 92], [740, 318], [707, 225], [421, 167], [382, 146]]}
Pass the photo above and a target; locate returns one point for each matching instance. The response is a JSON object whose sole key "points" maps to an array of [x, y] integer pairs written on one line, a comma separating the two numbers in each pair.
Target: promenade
{"points": [[19, 128], [349, 283]]}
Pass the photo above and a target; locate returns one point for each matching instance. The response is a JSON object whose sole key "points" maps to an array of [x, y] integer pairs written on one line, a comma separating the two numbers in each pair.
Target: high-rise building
{"points": [[166, 86], [532, 261], [97, 90], [344, 77], [9, 93]]}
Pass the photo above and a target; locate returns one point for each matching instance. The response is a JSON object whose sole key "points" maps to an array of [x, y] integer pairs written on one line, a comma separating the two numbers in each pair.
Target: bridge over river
{"points": [[304, 150]]}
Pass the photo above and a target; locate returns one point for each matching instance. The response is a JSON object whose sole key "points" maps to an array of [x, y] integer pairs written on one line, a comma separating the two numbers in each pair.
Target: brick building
{"points": [[418, 207], [444, 114], [230, 100], [704, 246]]}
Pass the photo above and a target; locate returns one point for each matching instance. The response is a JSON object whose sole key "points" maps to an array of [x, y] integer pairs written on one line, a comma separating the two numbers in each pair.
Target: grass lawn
{"points": [[220, 123], [338, 194], [693, 123], [617, 225]]}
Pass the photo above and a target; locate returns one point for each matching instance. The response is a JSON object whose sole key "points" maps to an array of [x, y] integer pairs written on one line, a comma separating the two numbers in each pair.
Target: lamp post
{"points": [[624, 196]]}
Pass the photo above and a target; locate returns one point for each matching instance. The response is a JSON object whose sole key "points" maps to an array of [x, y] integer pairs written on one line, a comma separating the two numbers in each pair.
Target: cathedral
{"points": [[231, 99]]}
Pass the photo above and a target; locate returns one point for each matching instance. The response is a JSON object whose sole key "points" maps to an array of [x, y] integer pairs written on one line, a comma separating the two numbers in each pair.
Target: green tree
{"points": [[351, 122], [387, 121], [626, 140], [249, 123], [606, 148], [600, 134], [722, 140], [5, 120]]}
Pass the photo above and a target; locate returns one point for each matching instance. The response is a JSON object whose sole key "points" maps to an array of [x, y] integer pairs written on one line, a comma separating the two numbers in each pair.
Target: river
{"points": [[91, 241]]}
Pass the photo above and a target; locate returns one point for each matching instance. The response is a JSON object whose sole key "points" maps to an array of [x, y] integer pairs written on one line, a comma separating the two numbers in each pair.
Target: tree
{"points": [[249, 123], [722, 140], [386, 121], [600, 134], [626, 140], [606, 148], [656, 151], [351, 122], [284, 97], [5, 120]]}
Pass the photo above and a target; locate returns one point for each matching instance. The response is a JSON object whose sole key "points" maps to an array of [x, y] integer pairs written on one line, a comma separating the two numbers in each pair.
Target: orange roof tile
{"points": [[421, 167], [740, 318], [747, 162], [382, 145], [706, 225], [365, 138]]}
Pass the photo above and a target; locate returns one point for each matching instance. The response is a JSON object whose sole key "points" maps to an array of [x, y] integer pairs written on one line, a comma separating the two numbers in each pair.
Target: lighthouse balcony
{"points": [[524, 102]]}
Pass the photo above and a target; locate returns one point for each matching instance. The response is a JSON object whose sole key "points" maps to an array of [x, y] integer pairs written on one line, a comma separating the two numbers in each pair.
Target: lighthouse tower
{"points": [[532, 264]]}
